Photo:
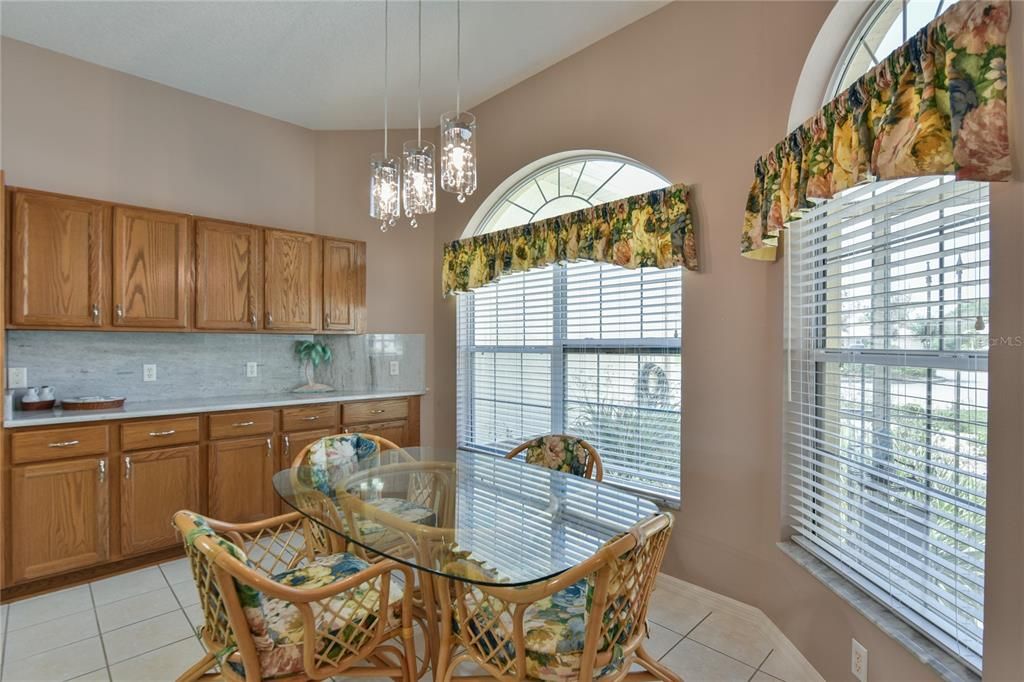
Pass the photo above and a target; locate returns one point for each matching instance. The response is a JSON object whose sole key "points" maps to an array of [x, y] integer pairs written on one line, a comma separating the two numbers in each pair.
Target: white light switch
{"points": [[17, 377], [252, 369], [149, 372], [394, 368]]}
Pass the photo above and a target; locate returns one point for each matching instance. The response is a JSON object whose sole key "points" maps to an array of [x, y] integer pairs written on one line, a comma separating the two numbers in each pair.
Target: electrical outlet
{"points": [[149, 372], [394, 368], [252, 369], [17, 377], [859, 661]]}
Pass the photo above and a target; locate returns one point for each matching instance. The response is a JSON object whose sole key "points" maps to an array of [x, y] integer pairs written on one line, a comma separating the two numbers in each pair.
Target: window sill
{"points": [[938, 659]]}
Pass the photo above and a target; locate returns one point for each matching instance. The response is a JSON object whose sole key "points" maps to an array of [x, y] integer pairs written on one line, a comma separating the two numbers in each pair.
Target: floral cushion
{"points": [[333, 459], [377, 534], [561, 453], [554, 629], [278, 629]]}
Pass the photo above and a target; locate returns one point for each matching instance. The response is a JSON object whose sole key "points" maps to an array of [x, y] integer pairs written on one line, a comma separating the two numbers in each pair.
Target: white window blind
{"points": [[886, 420], [587, 349]]}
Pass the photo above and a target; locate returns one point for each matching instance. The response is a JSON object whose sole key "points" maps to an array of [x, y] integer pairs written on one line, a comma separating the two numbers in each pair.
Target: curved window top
{"points": [[559, 184], [886, 26]]}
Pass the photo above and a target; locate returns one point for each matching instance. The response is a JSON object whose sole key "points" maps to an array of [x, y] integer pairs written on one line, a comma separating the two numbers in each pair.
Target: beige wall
{"points": [[697, 91]]}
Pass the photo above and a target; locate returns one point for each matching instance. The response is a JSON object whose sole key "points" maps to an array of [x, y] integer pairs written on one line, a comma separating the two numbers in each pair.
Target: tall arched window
{"points": [[888, 402], [588, 349]]}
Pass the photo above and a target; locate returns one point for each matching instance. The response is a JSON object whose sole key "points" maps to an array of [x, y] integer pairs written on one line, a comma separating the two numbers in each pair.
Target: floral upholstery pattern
{"points": [[277, 628], [333, 459], [653, 229], [376, 534], [561, 453], [935, 106]]}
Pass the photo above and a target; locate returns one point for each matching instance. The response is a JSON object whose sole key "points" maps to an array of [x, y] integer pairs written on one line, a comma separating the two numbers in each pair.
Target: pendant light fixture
{"points": [[385, 175], [418, 156], [458, 133]]}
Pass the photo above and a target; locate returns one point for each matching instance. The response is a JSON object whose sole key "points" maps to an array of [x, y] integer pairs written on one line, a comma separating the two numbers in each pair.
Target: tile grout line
{"points": [[763, 661], [149, 651], [193, 628], [99, 632], [706, 616]]}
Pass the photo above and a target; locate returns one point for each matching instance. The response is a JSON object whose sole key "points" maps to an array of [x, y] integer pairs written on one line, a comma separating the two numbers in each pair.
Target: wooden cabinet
{"points": [[344, 285], [237, 424], [307, 417], [157, 433], [155, 484], [59, 517], [152, 269], [229, 276], [240, 486], [375, 411], [50, 444], [293, 443], [59, 258], [396, 432], [292, 291]]}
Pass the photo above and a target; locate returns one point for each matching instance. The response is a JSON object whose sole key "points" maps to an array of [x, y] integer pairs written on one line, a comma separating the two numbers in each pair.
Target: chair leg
{"points": [[199, 670], [655, 668]]}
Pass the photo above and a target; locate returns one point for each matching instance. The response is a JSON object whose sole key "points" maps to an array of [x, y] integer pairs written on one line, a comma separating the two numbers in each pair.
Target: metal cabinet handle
{"points": [[127, 467], [311, 418], [156, 434], [103, 471], [327, 320], [252, 318], [95, 312], [64, 444], [241, 424], [287, 445], [270, 447], [376, 411], [270, 319], [119, 312]]}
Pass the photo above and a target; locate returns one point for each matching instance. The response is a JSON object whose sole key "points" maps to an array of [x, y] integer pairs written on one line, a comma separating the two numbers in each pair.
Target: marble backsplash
{"points": [[208, 364]]}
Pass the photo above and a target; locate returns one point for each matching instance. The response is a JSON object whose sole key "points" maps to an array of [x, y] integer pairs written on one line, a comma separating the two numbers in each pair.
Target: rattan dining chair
{"points": [[560, 452], [274, 606], [588, 623]]}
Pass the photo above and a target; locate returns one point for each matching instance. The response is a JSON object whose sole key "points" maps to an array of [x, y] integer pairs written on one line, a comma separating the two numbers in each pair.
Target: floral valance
{"points": [[653, 229], [935, 106]]}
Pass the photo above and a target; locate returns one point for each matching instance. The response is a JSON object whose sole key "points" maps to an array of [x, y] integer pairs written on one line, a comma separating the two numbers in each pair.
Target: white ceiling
{"points": [[320, 64]]}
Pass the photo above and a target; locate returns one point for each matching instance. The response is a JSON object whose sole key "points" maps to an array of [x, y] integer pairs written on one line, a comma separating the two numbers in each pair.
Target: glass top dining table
{"points": [[469, 516]]}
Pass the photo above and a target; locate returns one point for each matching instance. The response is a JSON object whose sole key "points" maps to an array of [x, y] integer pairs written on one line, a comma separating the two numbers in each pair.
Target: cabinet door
{"points": [[344, 286], [395, 432], [240, 487], [293, 443], [229, 281], [59, 255], [293, 283], [156, 484], [152, 269], [59, 517]]}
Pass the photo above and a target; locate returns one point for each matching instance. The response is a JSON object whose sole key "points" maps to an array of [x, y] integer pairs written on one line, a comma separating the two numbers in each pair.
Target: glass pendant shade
{"points": [[385, 194], [458, 154], [419, 184]]}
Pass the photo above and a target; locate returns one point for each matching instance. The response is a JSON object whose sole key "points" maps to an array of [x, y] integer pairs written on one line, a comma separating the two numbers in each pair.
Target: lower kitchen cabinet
{"points": [[156, 484], [293, 443], [396, 432], [240, 486], [59, 517]]}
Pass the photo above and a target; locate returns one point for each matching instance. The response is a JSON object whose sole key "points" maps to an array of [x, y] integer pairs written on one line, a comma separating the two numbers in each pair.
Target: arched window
{"points": [[888, 400], [588, 349]]}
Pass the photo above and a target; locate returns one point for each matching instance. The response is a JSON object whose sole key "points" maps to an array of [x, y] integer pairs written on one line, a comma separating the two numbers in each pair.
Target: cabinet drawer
{"points": [[250, 422], [35, 446], [309, 417], [374, 411], [159, 433]]}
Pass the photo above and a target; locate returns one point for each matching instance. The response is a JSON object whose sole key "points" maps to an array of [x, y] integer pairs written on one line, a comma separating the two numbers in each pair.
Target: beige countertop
{"points": [[162, 408]]}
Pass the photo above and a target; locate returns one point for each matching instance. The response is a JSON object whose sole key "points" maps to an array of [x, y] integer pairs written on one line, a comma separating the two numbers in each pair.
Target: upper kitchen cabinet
{"points": [[229, 279], [292, 282], [152, 268], [59, 254], [344, 285]]}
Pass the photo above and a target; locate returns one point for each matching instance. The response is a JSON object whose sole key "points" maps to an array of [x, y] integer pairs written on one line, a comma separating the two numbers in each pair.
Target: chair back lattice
{"points": [[616, 583], [561, 452]]}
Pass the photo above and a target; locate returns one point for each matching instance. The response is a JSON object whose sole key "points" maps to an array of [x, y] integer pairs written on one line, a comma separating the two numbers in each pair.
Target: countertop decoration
{"points": [[312, 354]]}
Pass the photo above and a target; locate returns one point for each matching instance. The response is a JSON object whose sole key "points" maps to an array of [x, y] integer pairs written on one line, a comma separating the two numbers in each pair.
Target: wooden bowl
{"points": [[93, 402], [37, 405]]}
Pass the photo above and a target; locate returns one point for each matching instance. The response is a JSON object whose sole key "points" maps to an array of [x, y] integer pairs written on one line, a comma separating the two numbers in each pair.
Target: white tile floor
{"points": [[140, 627]]}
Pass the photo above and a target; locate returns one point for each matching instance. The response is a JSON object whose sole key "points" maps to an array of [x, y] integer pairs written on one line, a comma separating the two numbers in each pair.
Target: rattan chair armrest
{"points": [[254, 526]]}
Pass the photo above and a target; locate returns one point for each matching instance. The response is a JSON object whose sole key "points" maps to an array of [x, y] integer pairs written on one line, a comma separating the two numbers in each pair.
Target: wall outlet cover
{"points": [[859, 661], [252, 369], [17, 377], [149, 372], [393, 365]]}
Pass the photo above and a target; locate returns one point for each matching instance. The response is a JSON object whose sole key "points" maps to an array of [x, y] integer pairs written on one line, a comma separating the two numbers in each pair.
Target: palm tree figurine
{"points": [[312, 354]]}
